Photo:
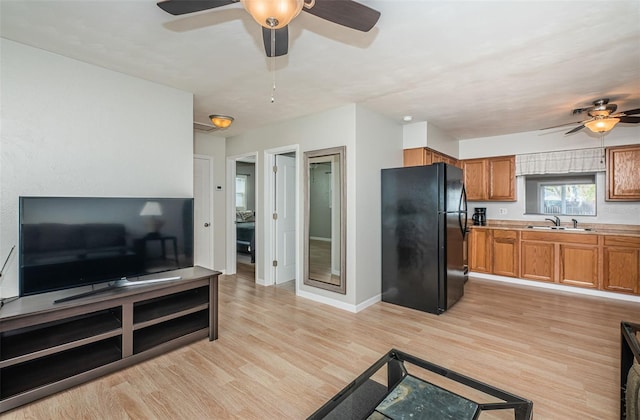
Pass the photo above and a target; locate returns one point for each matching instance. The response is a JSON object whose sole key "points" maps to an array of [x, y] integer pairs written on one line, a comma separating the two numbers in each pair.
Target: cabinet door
{"points": [[416, 157], [537, 260], [479, 251], [502, 176], [504, 253], [621, 267], [579, 265], [413, 157], [623, 166], [475, 179]]}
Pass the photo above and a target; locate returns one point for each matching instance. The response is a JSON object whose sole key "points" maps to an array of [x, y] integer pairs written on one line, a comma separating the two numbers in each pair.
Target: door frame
{"points": [[269, 244], [211, 209], [231, 212]]}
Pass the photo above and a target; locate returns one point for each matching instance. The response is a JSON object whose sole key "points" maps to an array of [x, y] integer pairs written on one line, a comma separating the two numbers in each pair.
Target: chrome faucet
{"points": [[555, 220], [575, 223]]}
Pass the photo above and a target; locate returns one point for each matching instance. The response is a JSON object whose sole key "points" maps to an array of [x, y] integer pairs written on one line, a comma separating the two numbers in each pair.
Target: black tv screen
{"points": [[67, 242]]}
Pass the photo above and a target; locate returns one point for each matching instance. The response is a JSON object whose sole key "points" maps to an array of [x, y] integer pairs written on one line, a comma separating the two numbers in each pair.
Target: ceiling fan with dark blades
{"points": [[603, 117], [275, 15]]}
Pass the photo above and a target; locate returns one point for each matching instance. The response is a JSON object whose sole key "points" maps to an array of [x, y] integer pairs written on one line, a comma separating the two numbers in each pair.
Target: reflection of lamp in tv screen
{"points": [[153, 210]]}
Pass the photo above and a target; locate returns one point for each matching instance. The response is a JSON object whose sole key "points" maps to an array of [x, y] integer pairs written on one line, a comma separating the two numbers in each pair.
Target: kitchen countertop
{"points": [[597, 228]]}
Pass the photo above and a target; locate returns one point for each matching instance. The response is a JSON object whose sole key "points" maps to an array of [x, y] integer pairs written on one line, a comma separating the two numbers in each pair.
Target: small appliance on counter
{"points": [[479, 216]]}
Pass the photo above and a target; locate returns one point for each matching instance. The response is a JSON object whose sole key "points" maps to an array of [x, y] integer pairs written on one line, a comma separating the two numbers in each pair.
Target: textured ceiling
{"points": [[472, 68]]}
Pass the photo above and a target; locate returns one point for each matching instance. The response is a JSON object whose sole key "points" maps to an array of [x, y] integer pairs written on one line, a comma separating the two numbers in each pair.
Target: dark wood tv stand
{"points": [[47, 347]]}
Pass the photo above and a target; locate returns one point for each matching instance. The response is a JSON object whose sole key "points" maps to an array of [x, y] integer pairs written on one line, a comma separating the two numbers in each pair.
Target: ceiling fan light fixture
{"points": [[221, 121], [273, 14], [602, 125]]}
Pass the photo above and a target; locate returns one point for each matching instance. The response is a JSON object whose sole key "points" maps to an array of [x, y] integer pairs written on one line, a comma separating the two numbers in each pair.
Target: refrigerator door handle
{"points": [[463, 200], [463, 211]]}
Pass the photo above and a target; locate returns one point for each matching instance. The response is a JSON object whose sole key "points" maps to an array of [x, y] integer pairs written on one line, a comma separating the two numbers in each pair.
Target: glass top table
{"points": [[399, 394]]}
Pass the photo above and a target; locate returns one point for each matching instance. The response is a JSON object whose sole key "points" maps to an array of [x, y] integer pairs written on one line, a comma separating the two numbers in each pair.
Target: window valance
{"points": [[566, 161]]}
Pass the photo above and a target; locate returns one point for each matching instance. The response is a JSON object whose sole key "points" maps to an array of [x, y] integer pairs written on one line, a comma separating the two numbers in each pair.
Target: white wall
{"points": [[366, 136], [331, 128], [74, 129], [378, 145], [538, 141], [215, 147], [424, 134]]}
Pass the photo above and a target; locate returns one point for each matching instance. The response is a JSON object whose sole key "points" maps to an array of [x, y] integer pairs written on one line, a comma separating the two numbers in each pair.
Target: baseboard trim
{"points": [[560, 287], [327, 301]]}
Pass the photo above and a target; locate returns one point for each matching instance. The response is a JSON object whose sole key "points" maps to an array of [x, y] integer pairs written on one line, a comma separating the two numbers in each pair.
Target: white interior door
{"points": [[203, 211], [285, 222]]}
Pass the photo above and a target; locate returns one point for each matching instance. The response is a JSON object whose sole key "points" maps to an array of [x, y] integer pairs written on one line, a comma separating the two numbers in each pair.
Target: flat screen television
{"points": [[67, 242]]}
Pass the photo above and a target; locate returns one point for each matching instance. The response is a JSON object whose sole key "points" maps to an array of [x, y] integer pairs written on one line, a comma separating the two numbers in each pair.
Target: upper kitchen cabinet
{"points": [[424, 156], [623, 166], [490, 179]]}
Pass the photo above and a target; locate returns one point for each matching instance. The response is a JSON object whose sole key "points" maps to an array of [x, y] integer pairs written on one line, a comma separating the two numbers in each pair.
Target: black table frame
{"points": [[629, 350], [396, 371]]}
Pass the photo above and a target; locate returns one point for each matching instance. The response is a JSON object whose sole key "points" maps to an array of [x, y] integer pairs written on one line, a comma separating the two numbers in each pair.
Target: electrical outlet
{"points": [[503, 210]]}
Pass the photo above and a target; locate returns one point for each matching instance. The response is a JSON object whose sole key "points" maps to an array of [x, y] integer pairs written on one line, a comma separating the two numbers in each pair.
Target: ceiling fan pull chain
{"points": [[273, 65]]}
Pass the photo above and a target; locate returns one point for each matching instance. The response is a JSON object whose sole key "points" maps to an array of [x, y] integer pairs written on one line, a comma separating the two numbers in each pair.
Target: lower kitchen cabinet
{"points": [[537, 260], [621, 260], [479, 250], [589, 260], [504, 252], [579, 265]]}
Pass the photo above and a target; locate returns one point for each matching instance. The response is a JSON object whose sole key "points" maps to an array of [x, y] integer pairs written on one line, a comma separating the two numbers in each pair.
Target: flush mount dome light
{"points": [[221, 121]]}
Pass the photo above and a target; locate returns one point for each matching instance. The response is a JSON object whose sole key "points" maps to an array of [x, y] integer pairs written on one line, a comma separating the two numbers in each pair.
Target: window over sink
{"points": [[561, 194]]}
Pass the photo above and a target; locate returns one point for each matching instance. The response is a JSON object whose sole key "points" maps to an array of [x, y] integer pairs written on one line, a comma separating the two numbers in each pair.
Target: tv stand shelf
{"points": [[47, 347]]}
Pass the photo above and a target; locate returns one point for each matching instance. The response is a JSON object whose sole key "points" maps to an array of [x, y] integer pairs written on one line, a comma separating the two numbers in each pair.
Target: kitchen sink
{"points": [[560, 228]]}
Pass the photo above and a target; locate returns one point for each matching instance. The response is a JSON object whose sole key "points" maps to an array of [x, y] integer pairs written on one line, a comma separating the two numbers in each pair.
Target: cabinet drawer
{"points": [[625, 241], [505, 234]]}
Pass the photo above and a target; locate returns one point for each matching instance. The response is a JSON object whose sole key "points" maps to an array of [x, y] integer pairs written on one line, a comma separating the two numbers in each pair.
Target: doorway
{"points": [[245, 215], [203, 210], [281, 231]]}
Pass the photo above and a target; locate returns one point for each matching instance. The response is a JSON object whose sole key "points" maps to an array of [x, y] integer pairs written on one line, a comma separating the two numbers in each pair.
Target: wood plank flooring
{"points": [[282, 357]]}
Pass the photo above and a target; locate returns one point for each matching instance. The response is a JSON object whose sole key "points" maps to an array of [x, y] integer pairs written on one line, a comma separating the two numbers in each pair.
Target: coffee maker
{"points": [[479, 216]]}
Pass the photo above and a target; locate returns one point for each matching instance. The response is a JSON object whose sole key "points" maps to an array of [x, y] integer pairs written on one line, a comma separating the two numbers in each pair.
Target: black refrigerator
{"points": [[424, 223]]}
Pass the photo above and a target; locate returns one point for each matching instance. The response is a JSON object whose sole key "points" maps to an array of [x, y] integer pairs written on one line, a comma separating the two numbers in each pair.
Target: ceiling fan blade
{"points": [[346, 13], [561, 125], [578, 128], [631, 112], [276, 41], [181, 7], [630, 120]]}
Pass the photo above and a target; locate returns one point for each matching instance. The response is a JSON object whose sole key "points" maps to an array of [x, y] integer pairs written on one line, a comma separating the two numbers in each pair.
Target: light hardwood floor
{"points": [[282, 357]]}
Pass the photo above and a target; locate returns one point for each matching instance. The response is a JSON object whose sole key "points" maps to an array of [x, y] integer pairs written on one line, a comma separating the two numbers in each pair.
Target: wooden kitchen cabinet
{"points": [[504, 252], [537, 260], [567, 258], [416, 157], [475, 179], [424, 156], [589, 260], [480, 250], [623, 167], [502, 178], [490, 179], [579, 261], [621, 261]]}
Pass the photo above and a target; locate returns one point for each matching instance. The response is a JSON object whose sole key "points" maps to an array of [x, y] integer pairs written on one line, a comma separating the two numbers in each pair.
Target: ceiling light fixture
{"points": [[273, 14], [602, 125], [221, 121]]}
